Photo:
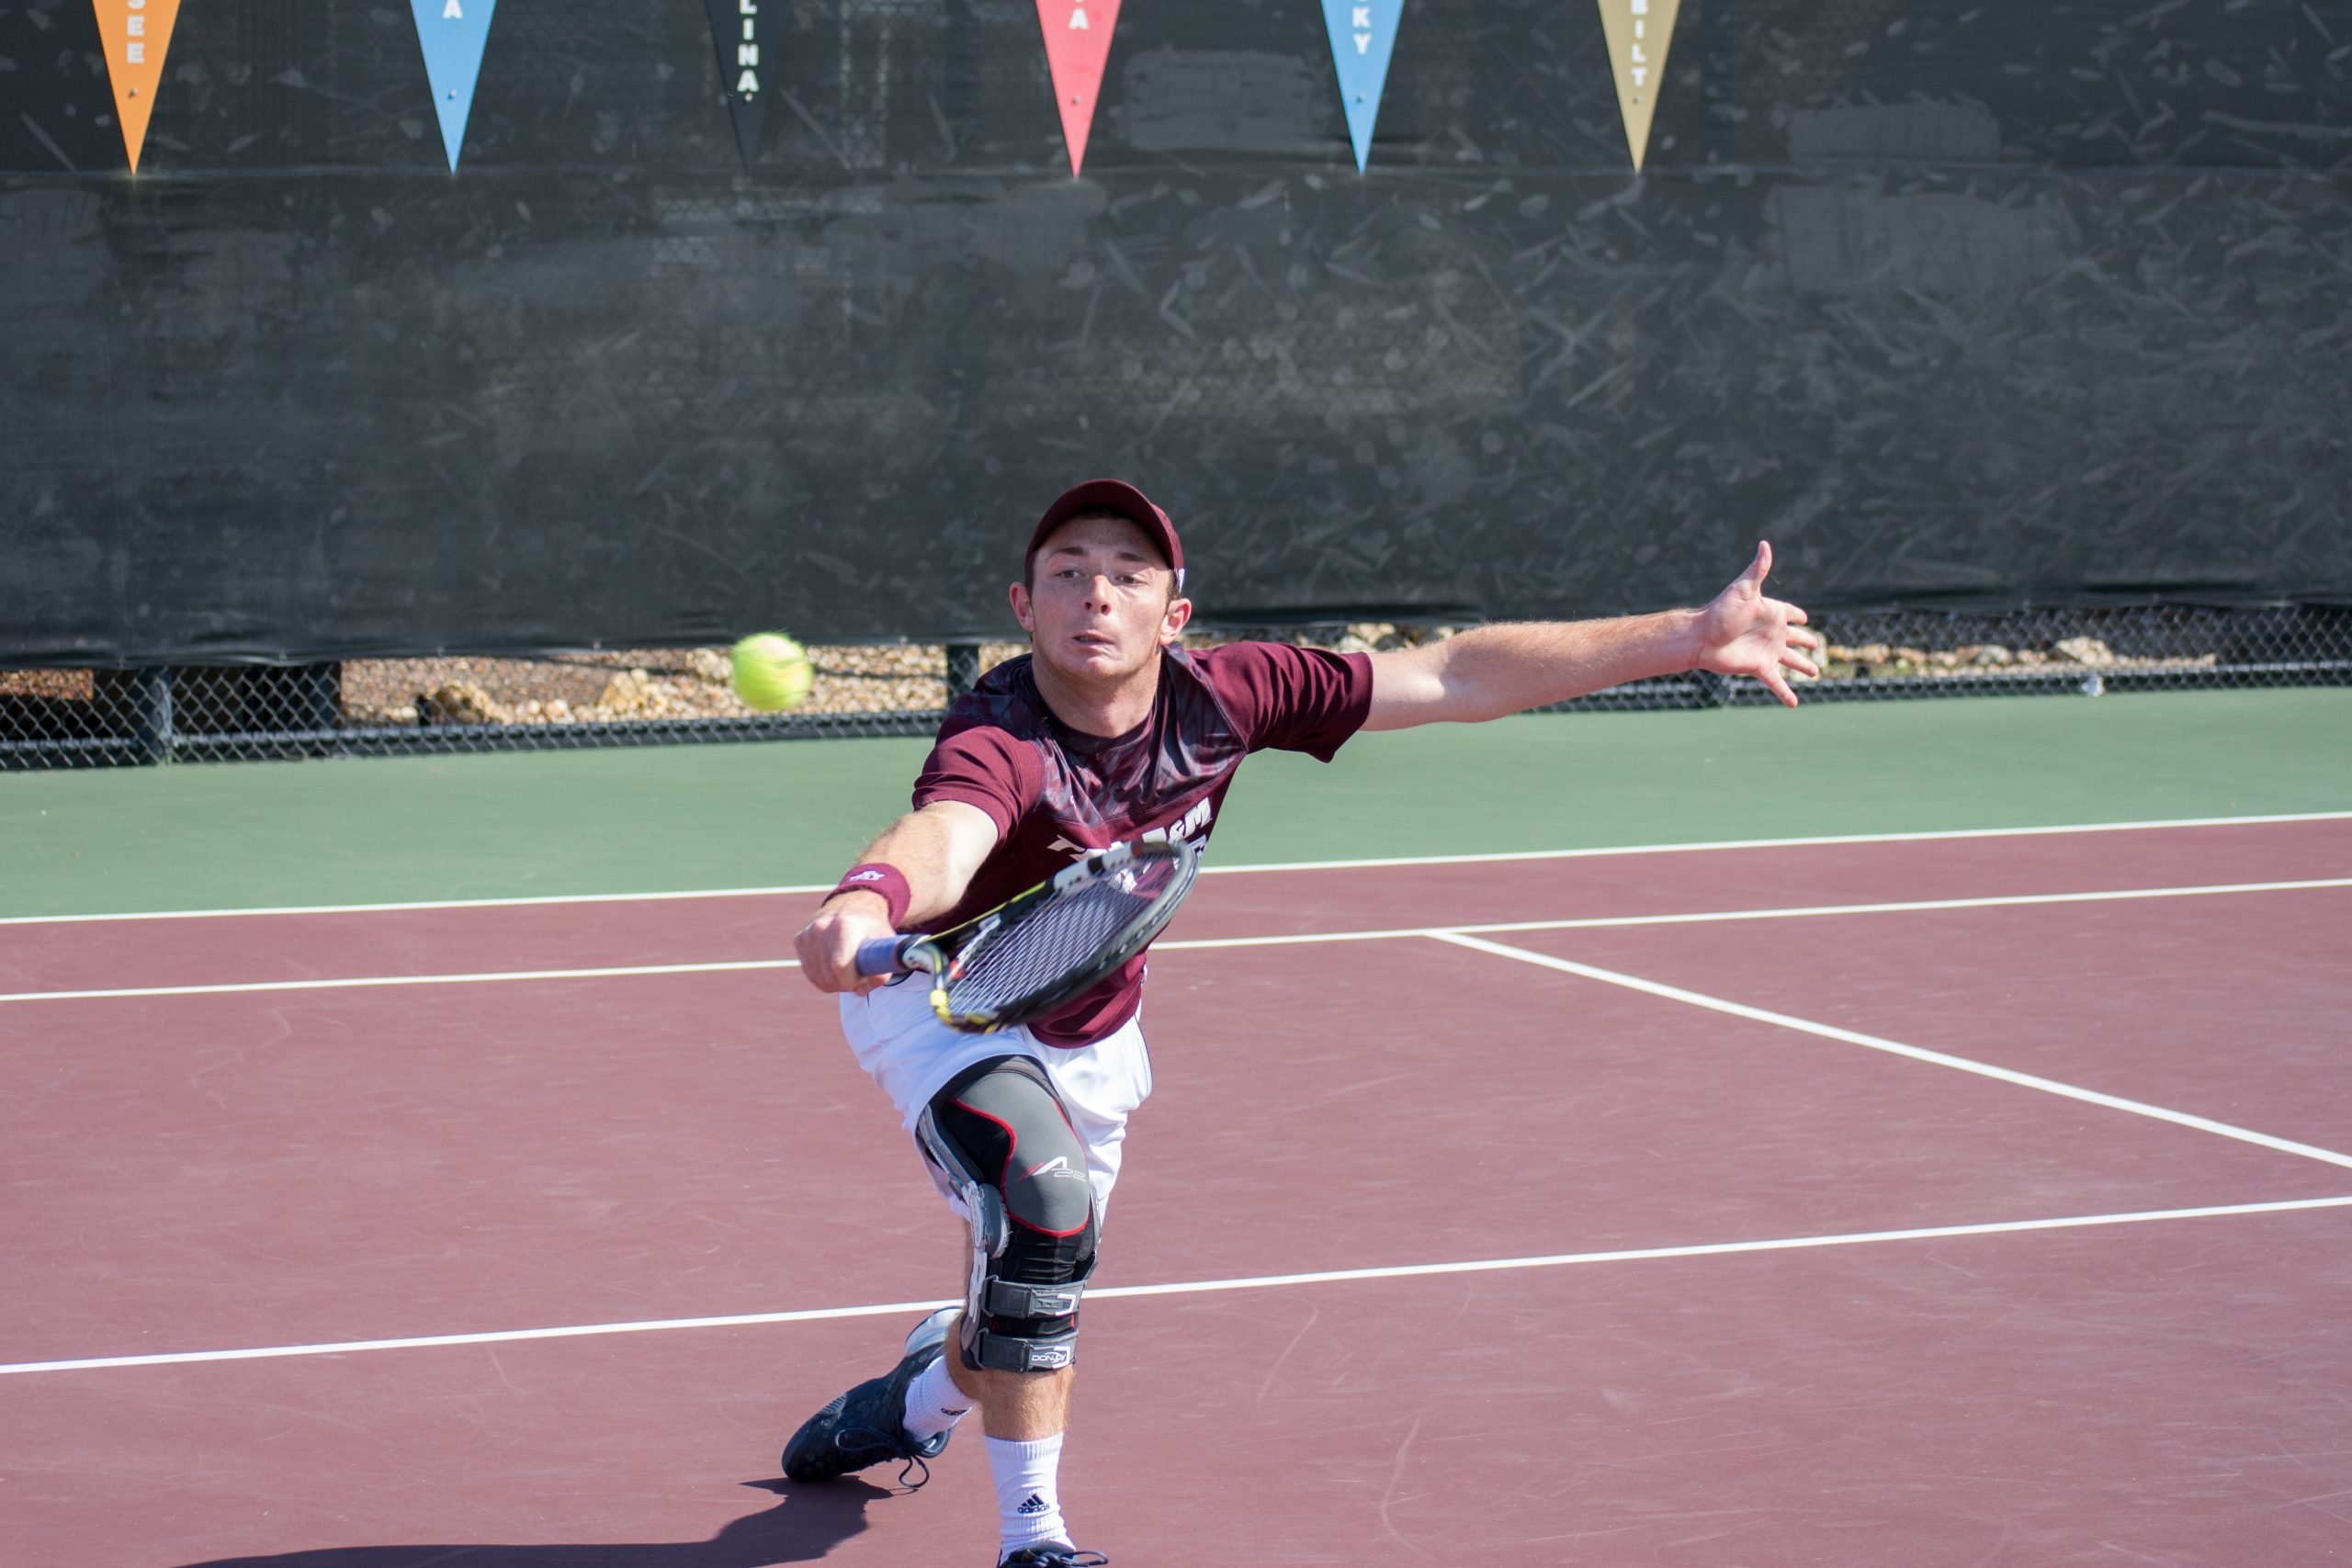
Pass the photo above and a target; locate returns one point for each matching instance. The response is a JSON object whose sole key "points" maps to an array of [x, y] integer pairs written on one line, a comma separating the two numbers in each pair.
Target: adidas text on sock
{"points": [[1028, 1506]]}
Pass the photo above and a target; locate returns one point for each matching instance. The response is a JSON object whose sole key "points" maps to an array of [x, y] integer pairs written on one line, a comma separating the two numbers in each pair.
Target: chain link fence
{"points": [[1892, 654], [56, 718]]}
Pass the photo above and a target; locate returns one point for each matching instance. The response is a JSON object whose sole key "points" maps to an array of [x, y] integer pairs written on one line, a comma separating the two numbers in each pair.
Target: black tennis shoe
{"points": [[867, 1425], [1054, 1554]]}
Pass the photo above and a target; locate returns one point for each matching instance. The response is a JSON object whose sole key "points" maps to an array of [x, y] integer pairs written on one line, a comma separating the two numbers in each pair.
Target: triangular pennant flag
{"points": [[1077, 45], [453, 33], [1363, 34], [135, 34], [1638, 32], [740, 29]]}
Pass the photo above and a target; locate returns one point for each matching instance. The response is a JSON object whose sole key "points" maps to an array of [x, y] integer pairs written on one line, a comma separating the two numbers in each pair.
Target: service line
{"points": [[360, 981], [1893, 1048], [1594, 922]]}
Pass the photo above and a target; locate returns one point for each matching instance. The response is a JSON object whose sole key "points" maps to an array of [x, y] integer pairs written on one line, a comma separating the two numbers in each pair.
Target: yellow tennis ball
{"points": [[772, 671]]}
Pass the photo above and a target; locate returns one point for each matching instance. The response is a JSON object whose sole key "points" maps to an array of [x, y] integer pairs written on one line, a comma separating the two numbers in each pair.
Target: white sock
{"points": [[934, 1401], [1028, 1509]]}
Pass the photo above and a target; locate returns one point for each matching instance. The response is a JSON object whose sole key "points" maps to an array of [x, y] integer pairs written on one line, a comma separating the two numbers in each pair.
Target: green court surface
{"points": [[682, 818]]}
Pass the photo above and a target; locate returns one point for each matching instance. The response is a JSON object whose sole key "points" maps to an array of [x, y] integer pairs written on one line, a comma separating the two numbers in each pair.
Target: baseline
{"points": [[1202, 1287], [1924, 836]]}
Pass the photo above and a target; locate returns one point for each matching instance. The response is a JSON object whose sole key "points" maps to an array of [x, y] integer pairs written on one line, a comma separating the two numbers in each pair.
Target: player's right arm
{"points": [[938, 849]]}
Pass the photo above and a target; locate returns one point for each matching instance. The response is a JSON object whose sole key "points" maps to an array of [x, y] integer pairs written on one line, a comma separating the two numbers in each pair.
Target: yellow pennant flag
{"points": [[135, 34], [1638, 32]]}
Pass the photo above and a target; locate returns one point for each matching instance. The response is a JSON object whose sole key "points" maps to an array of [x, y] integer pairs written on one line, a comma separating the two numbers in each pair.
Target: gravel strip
{"points": [[649, 683], [639, 684]]}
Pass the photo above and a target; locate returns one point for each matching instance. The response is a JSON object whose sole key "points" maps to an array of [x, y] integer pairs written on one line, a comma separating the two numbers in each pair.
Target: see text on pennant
{"points": [[135, 35]]}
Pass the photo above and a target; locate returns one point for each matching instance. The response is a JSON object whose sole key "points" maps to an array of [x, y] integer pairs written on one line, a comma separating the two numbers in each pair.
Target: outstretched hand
{"points": [[1741, 632], [827, 944]]}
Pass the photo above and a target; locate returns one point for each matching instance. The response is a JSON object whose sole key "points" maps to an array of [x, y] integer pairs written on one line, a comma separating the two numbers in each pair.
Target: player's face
{"points": [[1101, 605]]}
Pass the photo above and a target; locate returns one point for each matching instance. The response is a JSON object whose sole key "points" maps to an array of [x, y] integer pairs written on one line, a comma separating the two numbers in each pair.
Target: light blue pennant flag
{"points": [[1363, 34], [453, 33]]}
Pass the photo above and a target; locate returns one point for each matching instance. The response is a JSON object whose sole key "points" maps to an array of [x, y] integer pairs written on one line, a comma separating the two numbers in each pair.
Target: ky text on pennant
{"points": [[1363, 36]]}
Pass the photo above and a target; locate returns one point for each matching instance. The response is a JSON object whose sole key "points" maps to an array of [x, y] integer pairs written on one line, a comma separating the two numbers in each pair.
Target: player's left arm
{"points": [[1492, 671]]}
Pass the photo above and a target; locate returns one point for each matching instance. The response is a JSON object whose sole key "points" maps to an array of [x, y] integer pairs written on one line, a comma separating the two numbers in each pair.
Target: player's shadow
{"points": [[808, 1523]]}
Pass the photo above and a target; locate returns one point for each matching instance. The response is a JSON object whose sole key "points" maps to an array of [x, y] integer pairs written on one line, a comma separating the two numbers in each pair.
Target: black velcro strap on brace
{"points": [[1028, 1328], [1008, 1300], [1033, 1353]]}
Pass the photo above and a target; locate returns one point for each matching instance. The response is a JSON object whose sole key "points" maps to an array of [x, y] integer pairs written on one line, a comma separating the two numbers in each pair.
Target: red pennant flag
{"points": [[1077, 45], [135, 33]]}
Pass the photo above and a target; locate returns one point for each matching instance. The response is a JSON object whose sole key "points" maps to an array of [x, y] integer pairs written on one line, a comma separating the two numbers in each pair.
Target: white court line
{"points": [[1895, 1048], [1607, 922], [1931, 836], [1197, 1287], [238, 987], [1926, 837], [1593, 922], [395, 908]]}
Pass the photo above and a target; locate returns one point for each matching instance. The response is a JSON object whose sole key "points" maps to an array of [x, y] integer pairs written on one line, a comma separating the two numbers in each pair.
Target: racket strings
{"points": [[1068, 934]]}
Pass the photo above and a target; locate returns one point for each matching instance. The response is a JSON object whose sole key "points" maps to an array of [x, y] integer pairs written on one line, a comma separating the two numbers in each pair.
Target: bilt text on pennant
{"points": [[1638, 32]]}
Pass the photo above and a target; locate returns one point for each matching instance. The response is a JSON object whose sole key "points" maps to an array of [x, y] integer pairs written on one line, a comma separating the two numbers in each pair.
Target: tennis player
{"points": [[1110, 731]]}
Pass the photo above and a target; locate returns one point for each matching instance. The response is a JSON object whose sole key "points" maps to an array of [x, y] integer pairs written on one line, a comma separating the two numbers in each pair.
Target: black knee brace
{"points": [[999, 1133]]}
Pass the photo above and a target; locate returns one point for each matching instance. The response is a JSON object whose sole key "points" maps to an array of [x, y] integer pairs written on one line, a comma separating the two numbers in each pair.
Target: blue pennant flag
{"points": [[453, 33], [1363, 34]]}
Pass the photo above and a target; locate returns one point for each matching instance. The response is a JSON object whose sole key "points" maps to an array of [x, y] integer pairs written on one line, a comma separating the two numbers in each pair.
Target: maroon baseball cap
{"points": [[1110, 495]]}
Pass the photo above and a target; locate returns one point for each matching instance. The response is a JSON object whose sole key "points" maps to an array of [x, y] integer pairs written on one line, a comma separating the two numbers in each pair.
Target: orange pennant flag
{"points": [[135, 34]]}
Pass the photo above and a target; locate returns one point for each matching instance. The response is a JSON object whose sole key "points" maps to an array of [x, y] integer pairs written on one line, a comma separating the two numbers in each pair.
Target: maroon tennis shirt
{"points": [[1055, 794]]}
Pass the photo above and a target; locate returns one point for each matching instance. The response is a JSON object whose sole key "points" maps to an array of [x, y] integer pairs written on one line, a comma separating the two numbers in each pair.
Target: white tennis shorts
{"points": [[903, 1047]]}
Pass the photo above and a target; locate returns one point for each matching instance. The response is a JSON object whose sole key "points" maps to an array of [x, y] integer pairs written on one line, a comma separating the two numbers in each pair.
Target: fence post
{"points": [[151, 713], [963, 668], [322, 701]]}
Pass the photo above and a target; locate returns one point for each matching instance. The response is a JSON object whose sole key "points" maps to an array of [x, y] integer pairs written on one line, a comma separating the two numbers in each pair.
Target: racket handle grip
{"points": [[884, 955]]}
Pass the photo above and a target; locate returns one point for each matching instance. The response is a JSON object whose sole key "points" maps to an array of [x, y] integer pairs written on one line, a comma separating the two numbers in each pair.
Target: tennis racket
{"points": [[1039, 948]]}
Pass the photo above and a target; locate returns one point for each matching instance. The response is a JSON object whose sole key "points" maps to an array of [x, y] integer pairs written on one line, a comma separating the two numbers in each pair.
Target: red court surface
{"points": [[1623, 1289]]}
